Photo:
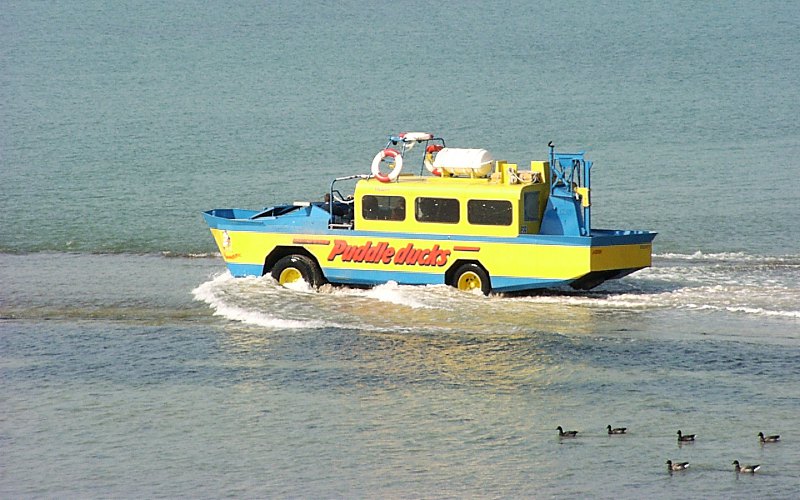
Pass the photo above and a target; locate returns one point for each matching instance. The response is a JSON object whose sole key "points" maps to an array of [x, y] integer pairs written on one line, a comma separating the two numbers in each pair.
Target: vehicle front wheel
{"points": [[296, 267], [471, 277]]}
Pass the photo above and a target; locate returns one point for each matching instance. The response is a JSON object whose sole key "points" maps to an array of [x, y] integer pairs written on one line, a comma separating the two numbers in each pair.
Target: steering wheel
{"points": [[337, 196]]}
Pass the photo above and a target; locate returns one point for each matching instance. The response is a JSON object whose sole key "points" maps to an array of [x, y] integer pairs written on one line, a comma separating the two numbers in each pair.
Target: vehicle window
{"points": [[383, 207], [489, 212], [437, 210], [531, 206]]}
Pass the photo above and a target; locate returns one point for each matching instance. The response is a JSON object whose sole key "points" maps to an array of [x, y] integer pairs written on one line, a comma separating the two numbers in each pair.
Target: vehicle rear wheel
{"points": [[471, 277], [296, 267]]}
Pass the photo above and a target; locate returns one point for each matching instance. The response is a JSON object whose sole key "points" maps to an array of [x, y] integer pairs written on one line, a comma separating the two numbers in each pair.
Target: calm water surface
{"points": [[133, 366]]}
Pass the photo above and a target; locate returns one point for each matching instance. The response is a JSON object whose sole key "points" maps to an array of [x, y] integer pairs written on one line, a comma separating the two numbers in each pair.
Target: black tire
{"points": [[471, 277], [295, 267]]}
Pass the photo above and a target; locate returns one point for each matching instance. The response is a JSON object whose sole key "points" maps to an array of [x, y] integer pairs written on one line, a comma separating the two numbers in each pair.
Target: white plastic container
{"points": [[464, 162]]}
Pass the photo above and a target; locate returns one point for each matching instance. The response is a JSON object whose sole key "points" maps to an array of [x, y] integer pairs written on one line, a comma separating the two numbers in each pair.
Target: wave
{"points": [[758, 311], [390, 306], [263, 302], [217, 294], [122, 254], [733, 299], [729, 257], [116, 286], [191, 255]]}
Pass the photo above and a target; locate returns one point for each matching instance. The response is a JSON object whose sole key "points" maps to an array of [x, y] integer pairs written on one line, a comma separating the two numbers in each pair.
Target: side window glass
{"points": [[442, 210], [489, 212], [383, 207], [531, 206]]}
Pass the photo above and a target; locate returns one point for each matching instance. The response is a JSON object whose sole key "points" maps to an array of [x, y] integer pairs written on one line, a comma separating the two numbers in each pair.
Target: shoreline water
{"points": [[171, 378]]}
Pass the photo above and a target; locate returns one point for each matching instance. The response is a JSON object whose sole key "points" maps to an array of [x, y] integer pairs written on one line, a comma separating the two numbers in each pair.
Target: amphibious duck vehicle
{"points": [[462, 219]]}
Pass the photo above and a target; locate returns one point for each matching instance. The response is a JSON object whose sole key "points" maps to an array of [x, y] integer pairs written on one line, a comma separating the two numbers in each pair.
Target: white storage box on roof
{"points": [[464, 162]]}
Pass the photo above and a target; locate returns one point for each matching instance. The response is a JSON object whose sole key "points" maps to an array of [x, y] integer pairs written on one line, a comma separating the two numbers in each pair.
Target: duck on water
{"points": [[768, 439], [567, 434], [676, 466], [752, 469]]}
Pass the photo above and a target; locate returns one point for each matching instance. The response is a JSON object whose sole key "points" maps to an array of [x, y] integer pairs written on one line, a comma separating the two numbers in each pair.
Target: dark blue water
{"points": [[133, 366]]}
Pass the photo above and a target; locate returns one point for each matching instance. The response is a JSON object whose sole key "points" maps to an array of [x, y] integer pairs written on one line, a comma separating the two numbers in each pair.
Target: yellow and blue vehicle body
{"points": [[486, 225]]}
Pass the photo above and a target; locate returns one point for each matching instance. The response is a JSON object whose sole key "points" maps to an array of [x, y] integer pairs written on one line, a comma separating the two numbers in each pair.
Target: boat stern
{"points": [[614, 254]]}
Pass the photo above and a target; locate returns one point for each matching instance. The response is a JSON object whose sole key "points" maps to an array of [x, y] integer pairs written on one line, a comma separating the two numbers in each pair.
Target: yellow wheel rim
{"points": [[290, 275], [469, 281]]}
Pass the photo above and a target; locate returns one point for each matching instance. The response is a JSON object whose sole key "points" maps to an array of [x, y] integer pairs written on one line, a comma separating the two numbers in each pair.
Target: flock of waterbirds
{"points": [[682, 438]]}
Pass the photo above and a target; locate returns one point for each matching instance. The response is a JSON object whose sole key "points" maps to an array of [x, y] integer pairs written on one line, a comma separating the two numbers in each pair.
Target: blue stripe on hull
{"points": [[241, 270], [371, 278], [512, 284]]}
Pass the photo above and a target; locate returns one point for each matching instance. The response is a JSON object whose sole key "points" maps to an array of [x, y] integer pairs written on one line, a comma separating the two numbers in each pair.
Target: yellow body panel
{"points": [[434, 255], [462, 189], [622, 256]]}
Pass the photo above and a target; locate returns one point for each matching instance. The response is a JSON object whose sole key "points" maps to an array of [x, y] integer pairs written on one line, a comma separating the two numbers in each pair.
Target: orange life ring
{"points": [[376, 165], [433, 148]]}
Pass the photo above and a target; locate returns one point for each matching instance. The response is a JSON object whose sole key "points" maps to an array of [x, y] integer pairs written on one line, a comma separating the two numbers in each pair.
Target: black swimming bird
{"points": [[768, 439], [677, 465], [568, 434], [684, 439], [745, 468], [616, 430]]}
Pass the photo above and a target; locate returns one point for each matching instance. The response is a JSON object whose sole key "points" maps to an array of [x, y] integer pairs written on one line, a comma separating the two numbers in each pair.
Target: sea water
{"points": [[133, 365]]}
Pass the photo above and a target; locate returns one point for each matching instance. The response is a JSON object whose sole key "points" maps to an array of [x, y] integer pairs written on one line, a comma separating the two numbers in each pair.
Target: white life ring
{"points": [[433, 148], [416, 136], [410, 139], [376, 165]]}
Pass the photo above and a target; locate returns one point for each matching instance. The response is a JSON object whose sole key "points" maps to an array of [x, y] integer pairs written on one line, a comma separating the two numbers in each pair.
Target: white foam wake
{"points": [[216, 294], [701, 256], [393, 293], [685, 284]]}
